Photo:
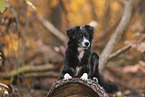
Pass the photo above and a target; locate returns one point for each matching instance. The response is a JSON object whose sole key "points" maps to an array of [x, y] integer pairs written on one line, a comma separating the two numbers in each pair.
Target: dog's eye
{"points": [[87, 36]]}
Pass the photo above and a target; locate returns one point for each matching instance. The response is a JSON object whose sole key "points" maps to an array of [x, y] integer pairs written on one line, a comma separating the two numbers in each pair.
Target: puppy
{"points": [[80, 61]]}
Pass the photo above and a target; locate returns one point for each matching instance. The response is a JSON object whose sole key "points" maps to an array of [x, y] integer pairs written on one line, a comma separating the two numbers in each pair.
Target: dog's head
{"points": [[81, 37]]}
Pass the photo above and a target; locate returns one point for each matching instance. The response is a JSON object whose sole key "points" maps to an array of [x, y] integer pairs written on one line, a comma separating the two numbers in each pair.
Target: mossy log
{"points": [[76, 88]]}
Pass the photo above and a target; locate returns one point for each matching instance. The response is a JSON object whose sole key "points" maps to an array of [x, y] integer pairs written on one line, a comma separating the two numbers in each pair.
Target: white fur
{"points": [[67, 76], [84, 76], [77, 70], [81, 53], [84, 41]]}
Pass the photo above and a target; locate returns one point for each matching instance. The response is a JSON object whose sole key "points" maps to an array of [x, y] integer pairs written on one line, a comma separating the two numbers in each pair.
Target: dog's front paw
{"points": [[67, 76], [84, 77]]}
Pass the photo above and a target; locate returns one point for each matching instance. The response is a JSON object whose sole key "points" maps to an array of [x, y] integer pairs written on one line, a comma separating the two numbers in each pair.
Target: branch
{"points": [[49, 74], [52, 28], [124, 49], [25, 36], [77, 87], [120, 51], [18, 32], [26, 69], [117, 34]]}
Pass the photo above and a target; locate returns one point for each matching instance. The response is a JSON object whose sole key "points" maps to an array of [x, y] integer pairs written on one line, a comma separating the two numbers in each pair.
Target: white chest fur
{"points": [[81, 53]]}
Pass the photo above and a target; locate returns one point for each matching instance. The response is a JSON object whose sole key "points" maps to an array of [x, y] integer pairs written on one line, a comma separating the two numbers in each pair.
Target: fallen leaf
{"points": [[131, 69], [141, 47]]}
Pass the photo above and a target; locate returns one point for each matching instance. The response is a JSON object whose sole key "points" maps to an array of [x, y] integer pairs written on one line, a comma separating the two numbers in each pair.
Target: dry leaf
{"points": [[141, 47], [131, 69]]}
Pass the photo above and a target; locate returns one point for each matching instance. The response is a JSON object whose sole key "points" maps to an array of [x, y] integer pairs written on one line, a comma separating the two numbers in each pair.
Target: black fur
{"points": [[90, 60]]}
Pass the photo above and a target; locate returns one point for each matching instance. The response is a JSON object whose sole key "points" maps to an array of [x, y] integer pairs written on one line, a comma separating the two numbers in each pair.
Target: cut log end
{"points": [[76, 88]]}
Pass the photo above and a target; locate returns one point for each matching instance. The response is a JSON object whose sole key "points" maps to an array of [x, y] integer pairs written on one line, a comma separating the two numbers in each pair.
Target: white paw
{"points": [[84, 76], [67, 76]]}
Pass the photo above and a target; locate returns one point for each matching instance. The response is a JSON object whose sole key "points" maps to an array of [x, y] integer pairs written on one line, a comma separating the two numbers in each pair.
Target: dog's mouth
{"points": [[85, 48]]}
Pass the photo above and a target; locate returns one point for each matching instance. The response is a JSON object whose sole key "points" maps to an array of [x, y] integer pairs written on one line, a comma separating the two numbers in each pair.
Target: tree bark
{"points": [[76, 88]]}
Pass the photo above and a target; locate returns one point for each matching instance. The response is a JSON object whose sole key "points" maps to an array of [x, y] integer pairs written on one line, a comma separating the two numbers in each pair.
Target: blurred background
{"points": [[33, 41]]}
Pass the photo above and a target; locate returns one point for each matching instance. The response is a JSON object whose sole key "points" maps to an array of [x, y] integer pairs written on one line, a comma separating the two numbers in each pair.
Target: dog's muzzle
{"points": [[85, 43]]}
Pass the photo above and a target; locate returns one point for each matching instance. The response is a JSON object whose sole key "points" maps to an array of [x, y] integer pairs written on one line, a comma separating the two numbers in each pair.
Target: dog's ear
{"points": [[72, 32], [90, 29]]}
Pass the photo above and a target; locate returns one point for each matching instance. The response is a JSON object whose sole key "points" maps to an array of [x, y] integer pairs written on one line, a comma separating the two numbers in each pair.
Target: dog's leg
{"points": [[66, 73], [94, 62], [84, 72]]}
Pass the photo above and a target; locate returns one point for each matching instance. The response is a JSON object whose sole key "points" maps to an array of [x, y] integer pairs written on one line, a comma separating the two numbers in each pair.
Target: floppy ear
{"points": [[90, 29], [71, 33]]}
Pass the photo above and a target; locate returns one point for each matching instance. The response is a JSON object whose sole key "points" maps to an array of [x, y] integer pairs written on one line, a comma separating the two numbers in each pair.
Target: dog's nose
{"points": [[86, 43]]}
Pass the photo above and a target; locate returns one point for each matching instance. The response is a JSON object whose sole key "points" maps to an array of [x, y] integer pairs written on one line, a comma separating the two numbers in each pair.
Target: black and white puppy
{"points": [[80, 61]]}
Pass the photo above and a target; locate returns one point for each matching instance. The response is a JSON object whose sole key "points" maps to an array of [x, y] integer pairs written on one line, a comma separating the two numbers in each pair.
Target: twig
{"points": [[120, 51], [124, 49], [25, 37], [17, 29], [117, 34]]}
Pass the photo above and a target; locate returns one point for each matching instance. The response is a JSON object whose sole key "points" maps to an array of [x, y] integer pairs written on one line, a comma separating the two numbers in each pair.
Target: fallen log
{"points": [[27, 69], [76, 88]]}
